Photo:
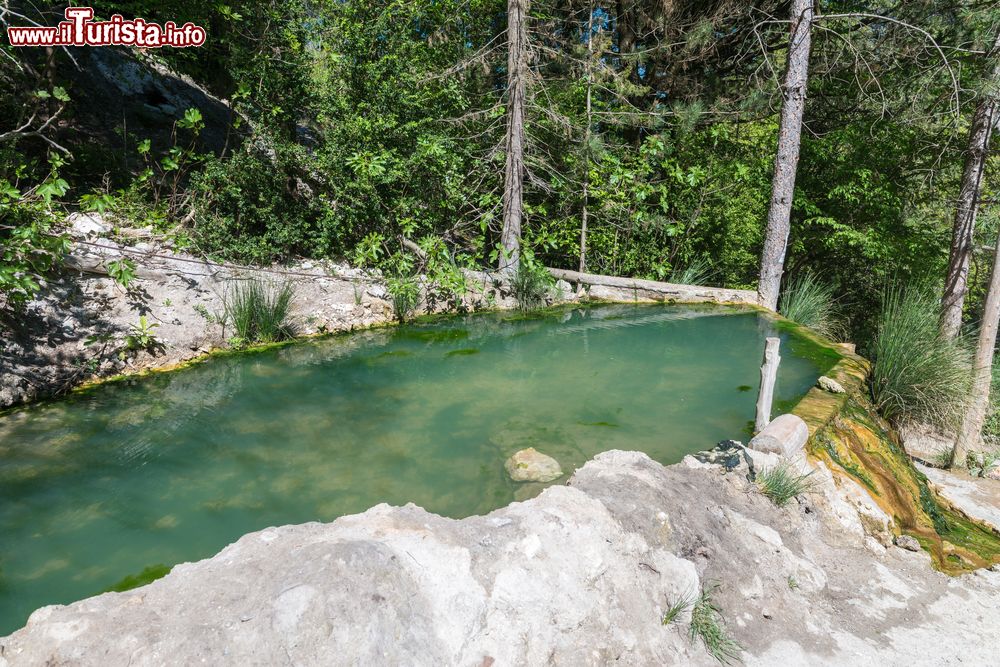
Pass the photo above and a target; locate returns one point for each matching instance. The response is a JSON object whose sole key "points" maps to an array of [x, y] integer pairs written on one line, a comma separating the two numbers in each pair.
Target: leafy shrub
{"points": [[259, 311], [29, 250], [530, 283], [811, 303], [405, 295], [781, 483], [918, 374]]}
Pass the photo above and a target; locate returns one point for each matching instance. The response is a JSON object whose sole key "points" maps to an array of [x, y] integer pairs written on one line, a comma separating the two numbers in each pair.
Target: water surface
{"points": [[173, 467]]}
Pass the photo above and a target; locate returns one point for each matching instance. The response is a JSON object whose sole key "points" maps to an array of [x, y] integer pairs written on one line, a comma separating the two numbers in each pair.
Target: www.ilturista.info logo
{"points": [[79, 29]]}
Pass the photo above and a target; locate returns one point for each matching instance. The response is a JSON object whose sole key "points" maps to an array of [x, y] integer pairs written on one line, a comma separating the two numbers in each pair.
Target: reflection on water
{"points": [[175, 466]]}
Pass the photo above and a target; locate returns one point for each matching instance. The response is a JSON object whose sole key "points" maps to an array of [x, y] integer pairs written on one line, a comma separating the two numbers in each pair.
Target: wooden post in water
{"points": [[768, 374]]}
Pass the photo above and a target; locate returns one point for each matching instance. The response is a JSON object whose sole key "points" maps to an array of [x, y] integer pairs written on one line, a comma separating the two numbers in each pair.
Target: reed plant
{"points": [[258, 310], [918, 374], [811, 302]]}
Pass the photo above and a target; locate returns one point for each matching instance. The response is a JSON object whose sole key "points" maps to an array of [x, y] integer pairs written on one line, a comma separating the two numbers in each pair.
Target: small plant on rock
{"points": [[259, 311], [405, 294], [781, 483], [707, 623], [675, 610], [140, 337], [530, 283]]}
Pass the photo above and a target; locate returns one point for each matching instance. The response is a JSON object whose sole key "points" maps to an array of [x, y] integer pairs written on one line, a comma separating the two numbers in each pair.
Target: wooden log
{"points": [[651, 289], [768, 374]]}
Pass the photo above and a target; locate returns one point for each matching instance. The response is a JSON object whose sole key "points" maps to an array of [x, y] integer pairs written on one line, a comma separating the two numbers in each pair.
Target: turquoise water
{"points": [[174, 466]]}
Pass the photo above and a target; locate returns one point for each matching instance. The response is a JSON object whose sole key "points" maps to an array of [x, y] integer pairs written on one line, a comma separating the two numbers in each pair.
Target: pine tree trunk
{"points": [[956, 283], [970, 434], [513, 181], [586, 140], [786, 162]]}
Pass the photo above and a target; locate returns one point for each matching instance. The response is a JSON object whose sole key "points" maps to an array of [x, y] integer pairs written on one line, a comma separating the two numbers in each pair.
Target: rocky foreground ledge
{"points": [[581, 575]]}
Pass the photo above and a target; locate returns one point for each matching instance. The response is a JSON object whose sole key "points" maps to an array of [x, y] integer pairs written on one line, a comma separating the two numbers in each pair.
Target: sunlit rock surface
{"points": [[581, 575]]}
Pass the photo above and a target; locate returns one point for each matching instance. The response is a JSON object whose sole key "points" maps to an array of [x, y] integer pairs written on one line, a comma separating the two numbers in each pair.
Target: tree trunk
{"points": [[957, 278], [786, 162], [970, 434], [586, 140], [513, 180]]}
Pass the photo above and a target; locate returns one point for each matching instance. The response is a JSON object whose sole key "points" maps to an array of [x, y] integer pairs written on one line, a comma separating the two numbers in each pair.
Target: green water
{"points": [[173, 467]]}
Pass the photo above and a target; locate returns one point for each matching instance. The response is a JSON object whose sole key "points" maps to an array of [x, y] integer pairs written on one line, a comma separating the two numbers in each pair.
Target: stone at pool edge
{"points": [[829, 384], [529, 465], [785, 435]]}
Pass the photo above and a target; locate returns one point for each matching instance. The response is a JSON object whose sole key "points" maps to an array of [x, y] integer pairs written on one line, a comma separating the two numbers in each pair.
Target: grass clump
{"points": [[530, 284], [675, 610], [259, 311], [811, 303], [781, 483], [697, 272], [917, 374], [707, 623]]}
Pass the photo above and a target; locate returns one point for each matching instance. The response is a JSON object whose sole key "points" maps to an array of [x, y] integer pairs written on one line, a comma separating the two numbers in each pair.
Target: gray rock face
{"points": [[580, 575], [830, 385], [907, 542], [529, 465], [786, 435]]}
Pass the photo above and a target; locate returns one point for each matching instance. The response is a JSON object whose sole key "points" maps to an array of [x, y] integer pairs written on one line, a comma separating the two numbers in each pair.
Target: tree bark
{"points": [[956, 284], [513, 181], [586, 140], [786, 162], [970, 434]]}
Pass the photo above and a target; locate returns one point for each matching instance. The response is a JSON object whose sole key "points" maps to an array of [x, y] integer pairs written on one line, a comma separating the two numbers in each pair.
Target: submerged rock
{"points": [[529, 465], [830, 385]]}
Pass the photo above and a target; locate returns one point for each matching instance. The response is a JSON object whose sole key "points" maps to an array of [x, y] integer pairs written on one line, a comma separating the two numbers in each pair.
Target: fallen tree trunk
{"points": [[637, 288]]}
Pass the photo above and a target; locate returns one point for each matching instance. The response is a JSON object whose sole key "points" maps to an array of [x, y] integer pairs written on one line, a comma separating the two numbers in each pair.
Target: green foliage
{"points": [[917, 374], [677, 609], [258, 311], [810, 302], [782, 483], [530, 283], [30, 248], [122, 271], [141, 337], [697, 272], [405, 294], [707, 624]]}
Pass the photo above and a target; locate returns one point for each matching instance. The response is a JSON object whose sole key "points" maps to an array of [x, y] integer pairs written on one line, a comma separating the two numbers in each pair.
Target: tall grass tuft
{"points": [[259, 311], [697, 272], [810, 302], [781, 483], [706, 623], [917, 374]]}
